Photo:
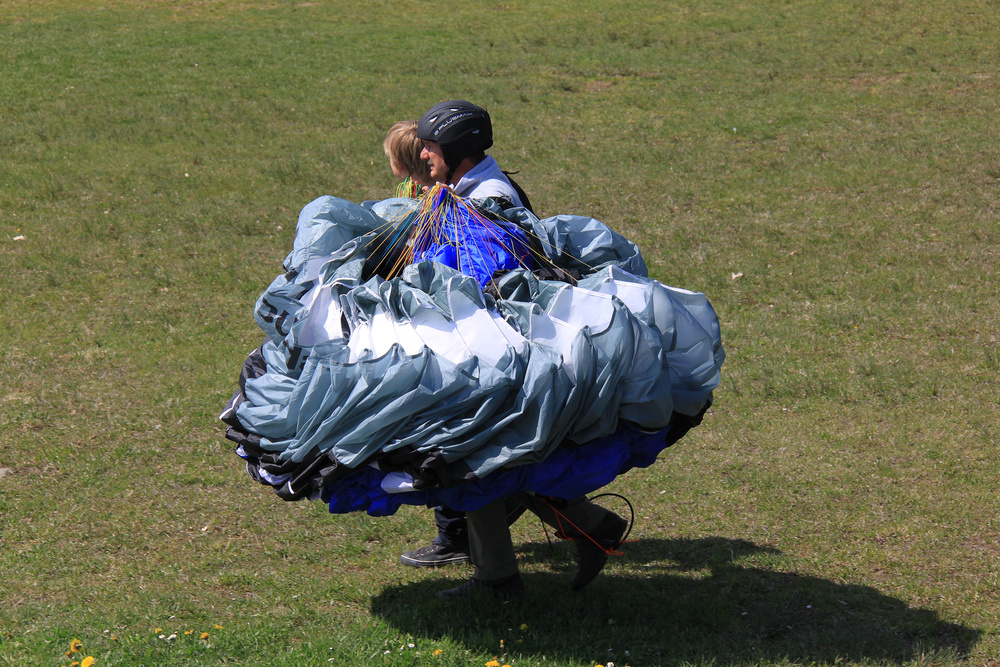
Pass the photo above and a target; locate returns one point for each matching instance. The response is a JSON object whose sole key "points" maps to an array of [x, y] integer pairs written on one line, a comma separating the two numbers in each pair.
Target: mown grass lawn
{"points": [[827, 173]]}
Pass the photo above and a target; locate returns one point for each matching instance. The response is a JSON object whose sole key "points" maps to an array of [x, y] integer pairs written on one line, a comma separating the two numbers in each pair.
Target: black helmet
{"points": [[461, 128]]}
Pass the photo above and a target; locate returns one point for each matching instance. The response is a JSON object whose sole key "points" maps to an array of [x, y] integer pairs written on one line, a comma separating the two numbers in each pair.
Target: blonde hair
{"points": [[403, 148]]}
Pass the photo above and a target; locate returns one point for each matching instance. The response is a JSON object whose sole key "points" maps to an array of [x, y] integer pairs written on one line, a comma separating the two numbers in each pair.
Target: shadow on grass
{"points": [[690, 602]]}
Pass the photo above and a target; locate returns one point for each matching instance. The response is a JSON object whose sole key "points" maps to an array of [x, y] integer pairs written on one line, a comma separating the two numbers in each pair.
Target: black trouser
{"points": [[491, 549], [453, 532]]}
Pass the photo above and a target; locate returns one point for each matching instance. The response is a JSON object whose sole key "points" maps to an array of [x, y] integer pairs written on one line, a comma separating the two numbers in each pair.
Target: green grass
{"points": [[827, 173]]}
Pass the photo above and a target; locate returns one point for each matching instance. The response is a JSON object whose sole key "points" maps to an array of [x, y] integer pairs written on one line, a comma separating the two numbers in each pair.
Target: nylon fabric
{"points": [[454, 396]]}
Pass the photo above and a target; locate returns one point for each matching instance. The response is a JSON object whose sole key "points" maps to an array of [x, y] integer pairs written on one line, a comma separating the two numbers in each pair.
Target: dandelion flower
{"points": [[492, 663], [218, 627], [204, 635], [76, 646], [524, 626], [437, 652], [158, 630], [88, 661]]}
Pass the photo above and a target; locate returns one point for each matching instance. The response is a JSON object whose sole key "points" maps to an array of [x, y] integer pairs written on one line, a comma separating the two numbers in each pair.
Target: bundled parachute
{"points": [[438, 351]]}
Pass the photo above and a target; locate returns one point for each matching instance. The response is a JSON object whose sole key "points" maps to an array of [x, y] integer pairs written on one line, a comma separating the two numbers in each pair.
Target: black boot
{"points": [[501, 588], [592, 550]]}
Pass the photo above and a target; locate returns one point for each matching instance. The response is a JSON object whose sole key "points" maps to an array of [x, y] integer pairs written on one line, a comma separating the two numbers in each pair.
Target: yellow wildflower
{"points": [[76, 646], [492, 663], [88, 661], [524, 626], [187, 632], [437, 652], [218, 627], [75, 663], [204, 635], [158, 630]]}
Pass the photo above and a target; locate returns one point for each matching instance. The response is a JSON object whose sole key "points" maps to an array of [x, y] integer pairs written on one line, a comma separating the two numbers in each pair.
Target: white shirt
{"points": [[486, 180]]}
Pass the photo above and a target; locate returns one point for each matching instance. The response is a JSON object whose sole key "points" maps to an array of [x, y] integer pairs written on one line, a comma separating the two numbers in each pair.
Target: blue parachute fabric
{"points": [[569, 472]]}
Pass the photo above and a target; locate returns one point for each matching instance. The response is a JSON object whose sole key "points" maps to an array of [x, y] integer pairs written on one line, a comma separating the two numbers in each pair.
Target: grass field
{"points": [[827, 173]]}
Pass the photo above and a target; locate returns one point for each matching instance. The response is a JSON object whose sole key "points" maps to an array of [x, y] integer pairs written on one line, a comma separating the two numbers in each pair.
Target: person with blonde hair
{"points": [[403, 148]]}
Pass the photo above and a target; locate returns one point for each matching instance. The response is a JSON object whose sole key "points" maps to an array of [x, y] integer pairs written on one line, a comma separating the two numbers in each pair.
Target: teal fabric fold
{"points": [[426, 362]]}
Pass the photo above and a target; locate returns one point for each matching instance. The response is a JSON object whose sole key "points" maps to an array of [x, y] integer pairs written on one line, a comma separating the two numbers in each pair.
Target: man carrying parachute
{"points": [[457, 352]]}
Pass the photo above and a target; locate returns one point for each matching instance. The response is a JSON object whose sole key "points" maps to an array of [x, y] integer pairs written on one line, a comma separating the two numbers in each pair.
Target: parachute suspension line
{"points": [[544, 260], [631, 511], [399, 238], [431, 221], [446, 219], [545, 528], [561, 532], [408, 189], [388, 236]]}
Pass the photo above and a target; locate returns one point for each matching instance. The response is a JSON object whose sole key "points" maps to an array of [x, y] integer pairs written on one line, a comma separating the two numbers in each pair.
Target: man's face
{"points": [[434, 157]]}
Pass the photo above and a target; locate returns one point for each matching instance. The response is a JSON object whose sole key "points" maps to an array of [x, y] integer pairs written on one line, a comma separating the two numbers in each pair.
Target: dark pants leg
{"points": [[491, 548], [576, 518], [453, 530]]}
